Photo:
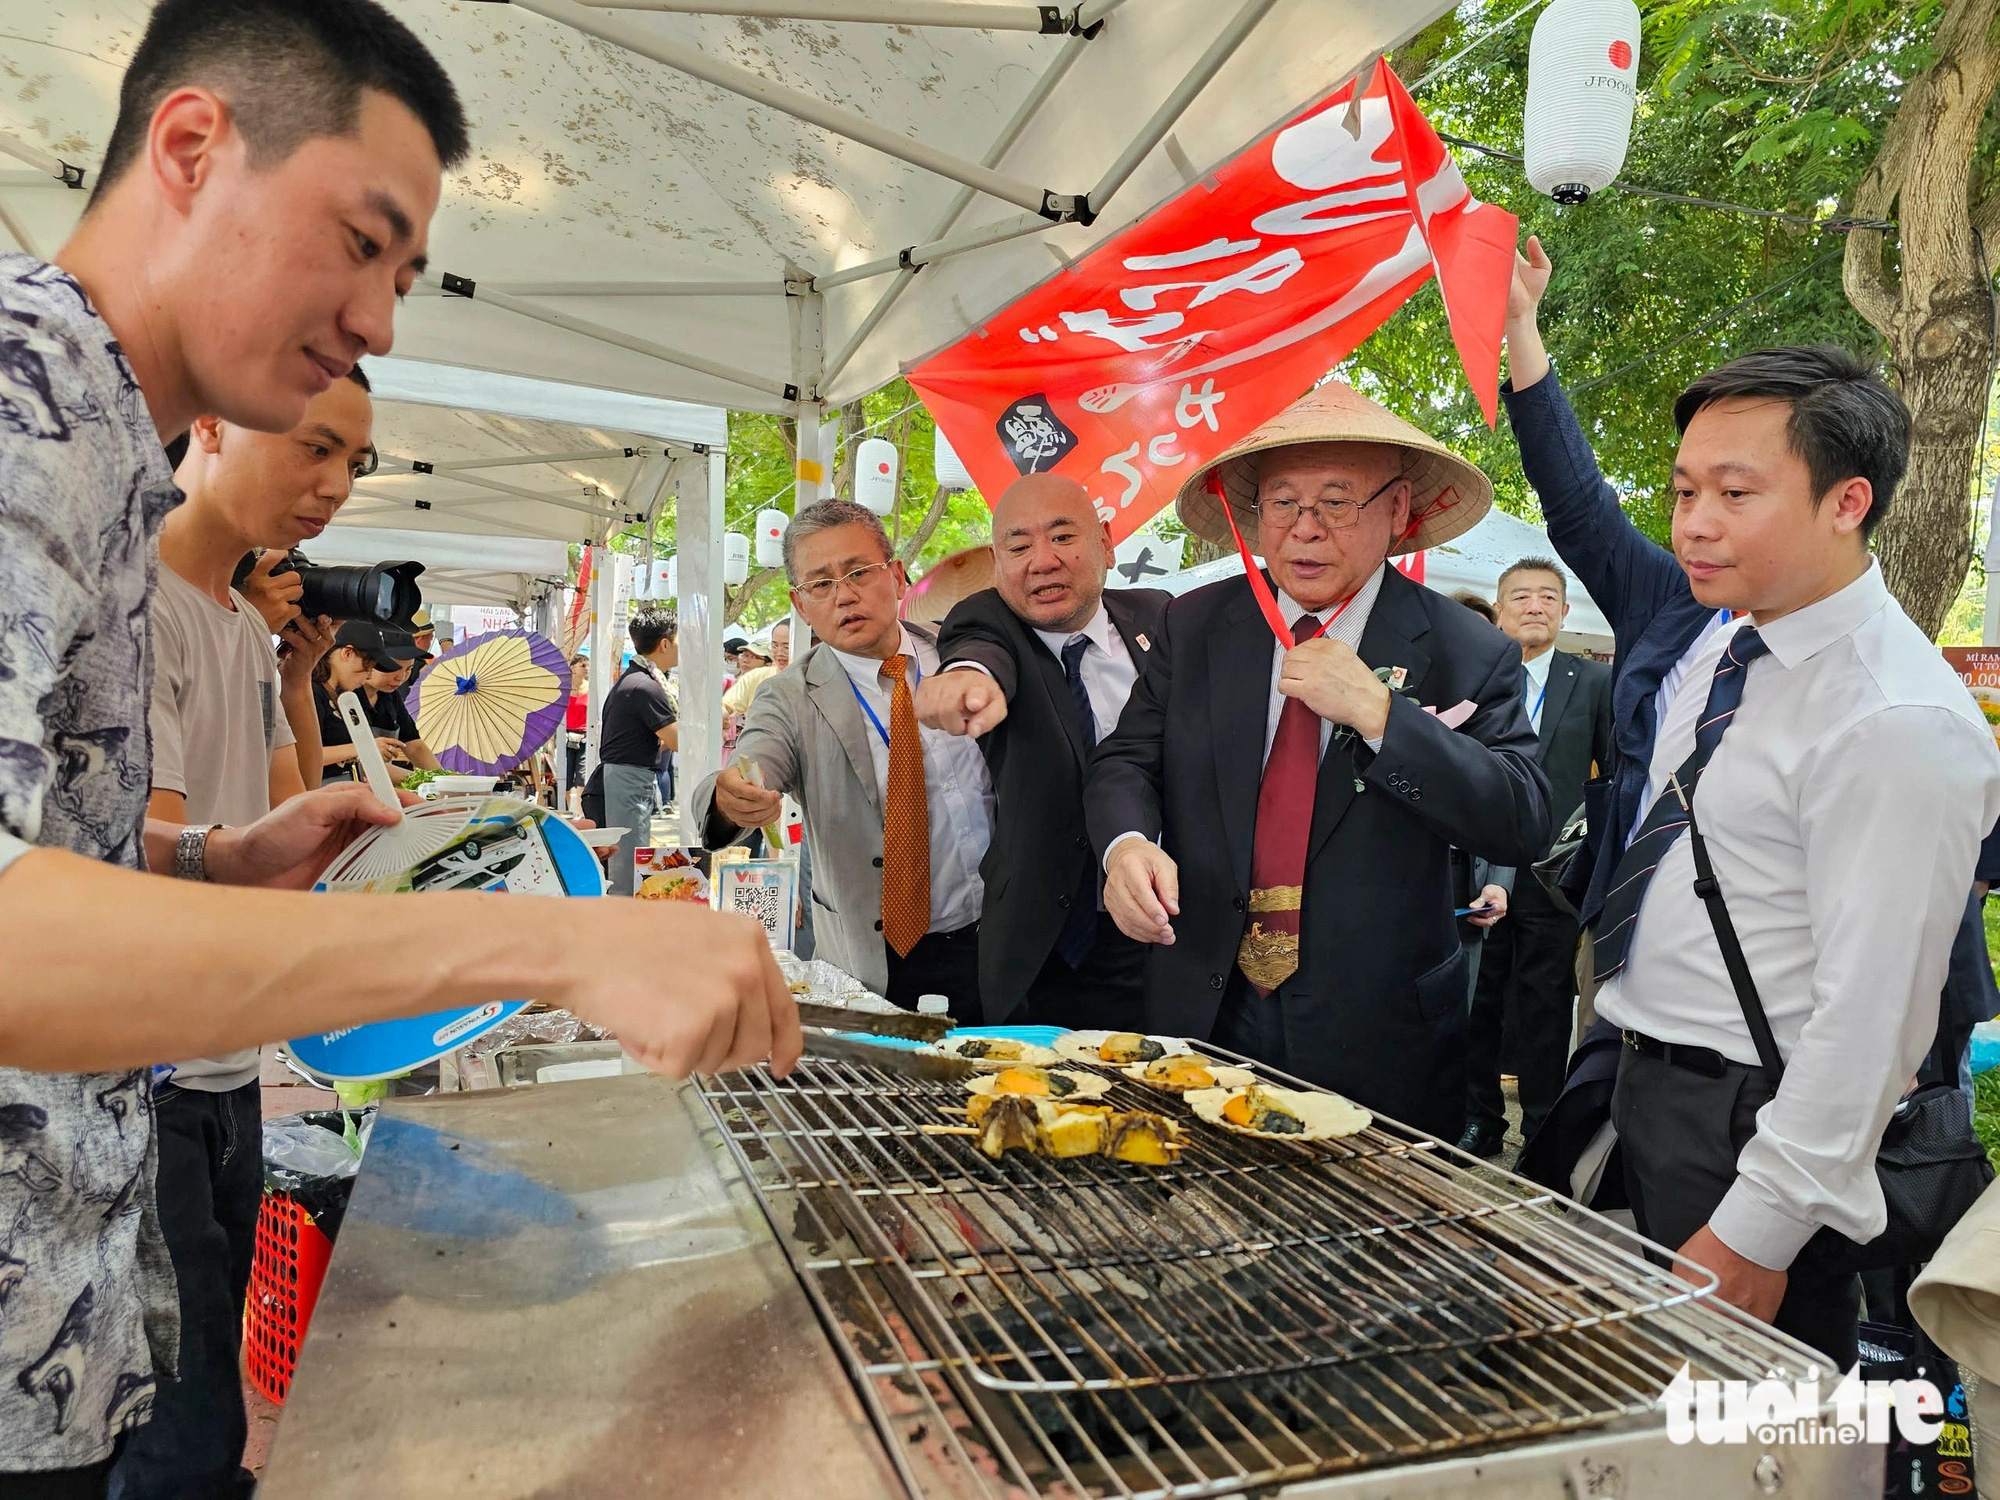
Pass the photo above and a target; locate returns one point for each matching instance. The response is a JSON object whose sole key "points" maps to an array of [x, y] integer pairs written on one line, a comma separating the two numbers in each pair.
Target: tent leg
{"points": [[699, 494], [605, 648], [808, 310]]}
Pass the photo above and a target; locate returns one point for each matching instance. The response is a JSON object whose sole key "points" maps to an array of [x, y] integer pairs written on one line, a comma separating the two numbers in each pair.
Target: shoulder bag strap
{"points": [[1706, 887]]}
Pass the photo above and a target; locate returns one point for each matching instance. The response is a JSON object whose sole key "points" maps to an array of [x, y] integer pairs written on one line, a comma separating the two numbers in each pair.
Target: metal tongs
{"points": [[899, 1023]]}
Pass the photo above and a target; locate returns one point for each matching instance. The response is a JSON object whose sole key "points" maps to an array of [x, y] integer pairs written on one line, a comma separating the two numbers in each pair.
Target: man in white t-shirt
{"points": [[235, 733]]}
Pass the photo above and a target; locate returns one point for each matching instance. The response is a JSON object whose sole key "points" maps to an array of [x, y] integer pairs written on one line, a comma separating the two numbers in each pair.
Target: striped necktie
{"points": [[1612, 940], [906, 821]]}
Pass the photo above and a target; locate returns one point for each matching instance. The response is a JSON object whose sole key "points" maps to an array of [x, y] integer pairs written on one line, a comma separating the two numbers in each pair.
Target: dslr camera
{"points": [[384, 594]]}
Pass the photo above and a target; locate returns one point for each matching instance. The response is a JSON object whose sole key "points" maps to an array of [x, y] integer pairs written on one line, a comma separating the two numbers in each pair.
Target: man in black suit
{"points": [[1040, 668], [1526, 989], [1278, 818]]}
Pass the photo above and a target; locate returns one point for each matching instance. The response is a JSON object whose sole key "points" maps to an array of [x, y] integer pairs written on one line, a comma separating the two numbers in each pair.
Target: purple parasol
{"points": [[489, 703]]}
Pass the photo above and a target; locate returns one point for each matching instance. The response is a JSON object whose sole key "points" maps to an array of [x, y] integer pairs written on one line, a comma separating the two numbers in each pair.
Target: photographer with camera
{"points": [[225, 753], [365, 657]]}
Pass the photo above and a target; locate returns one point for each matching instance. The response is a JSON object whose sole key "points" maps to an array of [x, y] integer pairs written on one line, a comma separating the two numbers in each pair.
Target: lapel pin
{"points": [[1144, 644], [1397, 677]]}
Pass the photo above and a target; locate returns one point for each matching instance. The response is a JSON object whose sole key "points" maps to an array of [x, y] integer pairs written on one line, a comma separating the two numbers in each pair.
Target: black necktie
{"points": [[1612, 941], [1079, 934], [1079, 695]]}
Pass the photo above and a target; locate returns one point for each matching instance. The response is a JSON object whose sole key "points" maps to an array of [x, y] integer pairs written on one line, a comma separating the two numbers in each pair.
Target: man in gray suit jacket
{"points": [[897, 816]]}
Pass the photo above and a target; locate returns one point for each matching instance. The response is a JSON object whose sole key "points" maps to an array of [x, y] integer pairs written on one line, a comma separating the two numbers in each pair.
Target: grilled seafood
{"points": [[1039, 1083], [1043, 1127], [1130, 1047], [1182, 1072], [1120, 1049], [1280, 1114], [997, 1049]]}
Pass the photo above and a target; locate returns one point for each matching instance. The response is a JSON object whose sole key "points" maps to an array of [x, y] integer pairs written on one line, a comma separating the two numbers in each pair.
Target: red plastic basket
{"points": [[285, 1279]]}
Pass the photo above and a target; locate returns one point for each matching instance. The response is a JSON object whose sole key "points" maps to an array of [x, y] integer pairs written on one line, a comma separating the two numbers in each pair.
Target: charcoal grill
{"points": [[1260, 1313]]}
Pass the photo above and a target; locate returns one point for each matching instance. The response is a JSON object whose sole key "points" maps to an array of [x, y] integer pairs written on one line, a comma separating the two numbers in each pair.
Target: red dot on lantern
{"points": [[881, 468], [1621, 54]]}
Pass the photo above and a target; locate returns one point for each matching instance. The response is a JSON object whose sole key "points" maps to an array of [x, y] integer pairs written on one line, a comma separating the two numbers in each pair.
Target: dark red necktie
{"points": [[1269, 952]]}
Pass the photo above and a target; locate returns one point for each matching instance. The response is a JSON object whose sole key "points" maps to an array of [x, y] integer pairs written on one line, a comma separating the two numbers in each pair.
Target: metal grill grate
{"points": [[1258, 1312]]}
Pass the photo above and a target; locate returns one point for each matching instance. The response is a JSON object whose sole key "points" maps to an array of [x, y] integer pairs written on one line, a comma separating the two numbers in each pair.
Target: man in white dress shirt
{"points": [[897, 815], [1842, 778]]}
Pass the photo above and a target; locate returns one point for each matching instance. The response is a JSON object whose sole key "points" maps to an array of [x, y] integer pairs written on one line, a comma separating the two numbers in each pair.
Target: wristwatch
{"points": [[191, 852]]}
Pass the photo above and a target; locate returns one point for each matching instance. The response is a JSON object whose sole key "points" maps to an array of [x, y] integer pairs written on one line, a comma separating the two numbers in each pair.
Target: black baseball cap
{"points": [[386, 650], [734, 644]]}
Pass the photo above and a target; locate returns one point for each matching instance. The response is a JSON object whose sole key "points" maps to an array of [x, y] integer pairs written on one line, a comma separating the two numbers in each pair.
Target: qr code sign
{"points": [[765, 895]]}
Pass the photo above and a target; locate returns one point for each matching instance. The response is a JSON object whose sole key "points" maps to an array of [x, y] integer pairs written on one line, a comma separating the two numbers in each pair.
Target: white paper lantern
{"points": [[735, 558], [1583, 66], [771, 526], [948, 466], [875, 475], [671, 574]]}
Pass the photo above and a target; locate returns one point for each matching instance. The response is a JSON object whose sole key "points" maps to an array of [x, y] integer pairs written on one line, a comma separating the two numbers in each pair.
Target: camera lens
{"points": [[386, 594]]}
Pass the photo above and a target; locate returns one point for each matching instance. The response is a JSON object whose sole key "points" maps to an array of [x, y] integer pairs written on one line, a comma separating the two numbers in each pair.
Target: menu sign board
{"points": [[1979, 667]]}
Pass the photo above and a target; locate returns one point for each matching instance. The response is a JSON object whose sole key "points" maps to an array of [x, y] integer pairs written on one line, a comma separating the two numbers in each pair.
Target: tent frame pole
{"points": [[513, 460], [582, 507], [1047, 20], [387, 502], [460, 286], [803, 106], [808, 320], [1052, 75], [996, 233], [640, 288], [46, 163], [701, 487], [1211, 61]]}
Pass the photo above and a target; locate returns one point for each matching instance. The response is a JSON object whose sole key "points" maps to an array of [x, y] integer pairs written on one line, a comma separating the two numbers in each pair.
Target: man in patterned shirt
{"points": [[264, 199]]}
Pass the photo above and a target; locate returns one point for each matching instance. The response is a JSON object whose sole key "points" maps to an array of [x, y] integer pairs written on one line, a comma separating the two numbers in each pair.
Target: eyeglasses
{"points": [[364, 463], [820, 590], [1334, 515]]}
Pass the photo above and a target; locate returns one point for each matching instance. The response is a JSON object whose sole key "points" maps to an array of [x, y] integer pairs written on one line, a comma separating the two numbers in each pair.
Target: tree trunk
{"points": [[1198, 550], [737, 600], [1935, 309], [940, 498]]}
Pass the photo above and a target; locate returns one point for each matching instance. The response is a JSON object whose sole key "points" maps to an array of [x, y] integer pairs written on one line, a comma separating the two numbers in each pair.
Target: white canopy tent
{"points": [[762, 204], [1473, 561]]}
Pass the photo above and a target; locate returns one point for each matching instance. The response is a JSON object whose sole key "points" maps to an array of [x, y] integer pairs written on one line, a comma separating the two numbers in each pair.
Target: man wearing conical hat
{"points": [[1276, 815]]}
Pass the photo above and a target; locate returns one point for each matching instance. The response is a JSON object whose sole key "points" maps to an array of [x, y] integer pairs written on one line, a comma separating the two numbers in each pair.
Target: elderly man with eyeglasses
{"points": [[1276, 814], [897, 815]]}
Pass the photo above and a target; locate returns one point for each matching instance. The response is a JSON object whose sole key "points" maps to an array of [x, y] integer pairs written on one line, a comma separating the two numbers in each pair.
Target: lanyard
{"points": [[914, 666], [1536, 706]]}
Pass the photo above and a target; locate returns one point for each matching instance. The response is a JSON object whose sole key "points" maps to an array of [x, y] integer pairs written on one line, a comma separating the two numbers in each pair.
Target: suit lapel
{"points": [[832, 693], [1562, 682], [1390, 639], [1239, 673]]}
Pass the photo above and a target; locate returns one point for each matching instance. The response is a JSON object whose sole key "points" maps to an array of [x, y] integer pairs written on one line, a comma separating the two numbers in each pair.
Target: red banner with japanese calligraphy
{"points": [[1189, 329]]}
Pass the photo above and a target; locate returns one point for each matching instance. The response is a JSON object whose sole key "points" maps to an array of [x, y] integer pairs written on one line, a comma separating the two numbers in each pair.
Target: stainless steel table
{"points": [[564, 1291]]}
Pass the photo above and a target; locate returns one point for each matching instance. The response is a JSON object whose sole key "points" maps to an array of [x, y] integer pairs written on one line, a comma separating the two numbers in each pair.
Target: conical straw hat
{"points": [[1447, 495]]}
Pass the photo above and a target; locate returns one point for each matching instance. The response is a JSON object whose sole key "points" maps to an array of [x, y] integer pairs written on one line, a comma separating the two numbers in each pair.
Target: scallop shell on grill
{"points": [[1326, 1116], [1220, 1075], [1081, 1046], [1024, 1052], [1087, 1085]]}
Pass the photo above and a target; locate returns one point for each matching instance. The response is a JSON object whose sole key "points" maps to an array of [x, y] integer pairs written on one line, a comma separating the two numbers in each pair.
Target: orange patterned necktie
{"points": [[906, 822]]}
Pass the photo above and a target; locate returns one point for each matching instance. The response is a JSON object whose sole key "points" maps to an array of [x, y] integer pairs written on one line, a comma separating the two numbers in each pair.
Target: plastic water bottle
{"points": [[933, 1005]]}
